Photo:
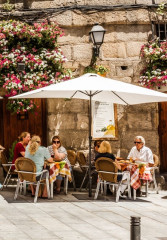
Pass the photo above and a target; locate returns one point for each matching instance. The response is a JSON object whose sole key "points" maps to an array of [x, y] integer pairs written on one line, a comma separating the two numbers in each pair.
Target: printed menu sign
{"points": [[103, 120]]}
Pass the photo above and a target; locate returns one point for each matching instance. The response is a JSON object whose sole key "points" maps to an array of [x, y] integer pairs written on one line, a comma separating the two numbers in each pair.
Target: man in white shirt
{"points": [[140, 152]]}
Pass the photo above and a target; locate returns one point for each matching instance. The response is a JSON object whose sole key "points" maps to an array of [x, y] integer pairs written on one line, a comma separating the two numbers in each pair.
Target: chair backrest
{"points": [[72, 156], [81, 158], [107, 165], [156, 160], [27, 165], [4, 160]]}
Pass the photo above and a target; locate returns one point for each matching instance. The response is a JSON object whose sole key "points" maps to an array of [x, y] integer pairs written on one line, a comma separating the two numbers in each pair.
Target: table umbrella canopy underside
{"points": [[100, 88]]}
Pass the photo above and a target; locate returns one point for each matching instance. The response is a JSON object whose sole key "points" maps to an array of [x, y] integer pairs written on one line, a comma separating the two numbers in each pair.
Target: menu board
{"points": [[103, 120]]}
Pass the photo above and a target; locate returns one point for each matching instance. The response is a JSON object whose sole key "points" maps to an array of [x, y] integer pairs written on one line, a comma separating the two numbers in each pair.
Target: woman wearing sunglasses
{"points": [[59, 153]]}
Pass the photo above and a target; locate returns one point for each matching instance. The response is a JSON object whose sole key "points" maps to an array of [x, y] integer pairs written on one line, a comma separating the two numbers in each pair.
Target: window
{"points": [[159, 30]]}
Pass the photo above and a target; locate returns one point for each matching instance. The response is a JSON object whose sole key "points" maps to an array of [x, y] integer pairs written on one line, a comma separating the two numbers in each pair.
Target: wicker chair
{"points": [[10, 174], [26, 170], [107, 174], [72, 157], [81, 159]]}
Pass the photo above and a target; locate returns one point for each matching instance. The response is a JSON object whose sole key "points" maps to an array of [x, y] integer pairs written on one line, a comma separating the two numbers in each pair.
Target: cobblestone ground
{"points": [[67, 218]]}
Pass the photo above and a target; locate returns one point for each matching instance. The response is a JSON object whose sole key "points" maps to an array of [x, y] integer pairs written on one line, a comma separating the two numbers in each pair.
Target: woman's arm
{"points": [[50, 159], [117, 164], [58, 156], [22, 153]]}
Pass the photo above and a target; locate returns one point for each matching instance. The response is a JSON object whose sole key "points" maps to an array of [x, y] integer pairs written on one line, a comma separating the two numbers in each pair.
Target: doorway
{"points": [[12, 126], [163, 135]]}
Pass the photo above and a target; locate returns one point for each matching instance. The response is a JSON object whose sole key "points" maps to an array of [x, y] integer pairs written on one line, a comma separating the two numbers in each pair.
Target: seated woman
{"points": [[59, 153], [20, 147], [105, 151], [38, 154]]}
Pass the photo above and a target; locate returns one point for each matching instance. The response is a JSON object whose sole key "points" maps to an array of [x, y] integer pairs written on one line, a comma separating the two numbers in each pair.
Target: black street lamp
{"points": [[97, 36]]}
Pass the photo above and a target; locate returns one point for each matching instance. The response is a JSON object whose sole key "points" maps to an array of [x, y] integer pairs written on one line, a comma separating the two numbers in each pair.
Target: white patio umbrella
{"points": [[93, 87]]}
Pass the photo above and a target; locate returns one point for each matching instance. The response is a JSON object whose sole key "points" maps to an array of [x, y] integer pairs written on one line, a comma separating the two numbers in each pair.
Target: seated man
{"points": [[141, 152]]}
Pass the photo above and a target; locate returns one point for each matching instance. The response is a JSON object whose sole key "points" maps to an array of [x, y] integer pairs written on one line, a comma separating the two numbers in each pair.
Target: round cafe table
{"points": [[56, 168]]}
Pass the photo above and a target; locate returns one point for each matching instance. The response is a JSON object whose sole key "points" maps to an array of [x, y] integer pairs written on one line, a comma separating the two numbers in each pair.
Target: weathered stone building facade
{"points": [[128, 25]]}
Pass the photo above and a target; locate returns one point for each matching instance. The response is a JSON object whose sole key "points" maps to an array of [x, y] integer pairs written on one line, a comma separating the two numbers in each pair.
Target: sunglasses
{"points": [[56, 141], [137, 142]]}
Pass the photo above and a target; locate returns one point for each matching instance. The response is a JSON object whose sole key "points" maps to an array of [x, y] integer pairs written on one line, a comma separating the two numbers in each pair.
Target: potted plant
{"points": [[101, 70]]}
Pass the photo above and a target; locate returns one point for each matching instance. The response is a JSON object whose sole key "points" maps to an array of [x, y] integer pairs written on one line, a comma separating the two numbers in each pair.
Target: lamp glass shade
{"points": [[97, 34]]}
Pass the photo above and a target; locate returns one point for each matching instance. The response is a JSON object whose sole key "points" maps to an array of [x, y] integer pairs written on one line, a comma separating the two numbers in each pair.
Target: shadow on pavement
{"points": [[8, 195]]}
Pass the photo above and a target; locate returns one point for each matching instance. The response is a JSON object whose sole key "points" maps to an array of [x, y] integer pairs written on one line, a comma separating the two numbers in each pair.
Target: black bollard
{"points": [[135, 228]]}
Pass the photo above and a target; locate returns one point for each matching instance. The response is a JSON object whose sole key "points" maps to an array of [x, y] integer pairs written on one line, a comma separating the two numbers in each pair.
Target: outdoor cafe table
{"points": [[136, 174], [56, 168]]}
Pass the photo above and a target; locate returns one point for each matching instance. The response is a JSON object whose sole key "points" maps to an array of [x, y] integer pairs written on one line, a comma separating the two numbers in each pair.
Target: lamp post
{"points": [[97, 36]]}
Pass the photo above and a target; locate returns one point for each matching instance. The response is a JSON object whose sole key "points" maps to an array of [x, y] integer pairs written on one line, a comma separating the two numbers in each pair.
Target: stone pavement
{"points": [[67, 218]]}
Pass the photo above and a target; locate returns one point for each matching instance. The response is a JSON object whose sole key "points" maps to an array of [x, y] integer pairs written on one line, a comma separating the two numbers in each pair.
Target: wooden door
{"points": [[12, 126], [163, 135]]}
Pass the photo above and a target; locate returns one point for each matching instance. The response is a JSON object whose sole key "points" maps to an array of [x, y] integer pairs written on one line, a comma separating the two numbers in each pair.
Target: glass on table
{"points": [[131, 160]]}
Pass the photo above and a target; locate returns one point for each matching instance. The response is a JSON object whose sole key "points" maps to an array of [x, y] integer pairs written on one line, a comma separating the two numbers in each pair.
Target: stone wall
{"points": [[127, 29], [126, 32], [60, 3]]}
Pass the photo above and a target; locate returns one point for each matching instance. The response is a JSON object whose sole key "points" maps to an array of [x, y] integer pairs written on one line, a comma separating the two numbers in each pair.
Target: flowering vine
{"points": [[155, 73], [36, 46]]}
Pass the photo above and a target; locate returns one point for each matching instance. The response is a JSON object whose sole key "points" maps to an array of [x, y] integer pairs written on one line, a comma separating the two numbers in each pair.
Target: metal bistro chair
{"points": [[107, 174], [153, 170], [7, 167], [26, 170], [72, 157]]}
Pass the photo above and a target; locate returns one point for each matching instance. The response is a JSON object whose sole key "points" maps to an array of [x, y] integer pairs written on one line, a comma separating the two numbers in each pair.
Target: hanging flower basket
{"points": [[154, 75], [34, 46]]}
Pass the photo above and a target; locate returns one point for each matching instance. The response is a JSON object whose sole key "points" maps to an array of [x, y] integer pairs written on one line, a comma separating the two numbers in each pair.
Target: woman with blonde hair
{"points": [[38, 155], [19, 150], [105, 151]]}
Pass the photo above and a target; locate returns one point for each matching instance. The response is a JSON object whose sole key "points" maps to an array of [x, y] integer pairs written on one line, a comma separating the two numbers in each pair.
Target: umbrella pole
{"points": [[90, 140]]}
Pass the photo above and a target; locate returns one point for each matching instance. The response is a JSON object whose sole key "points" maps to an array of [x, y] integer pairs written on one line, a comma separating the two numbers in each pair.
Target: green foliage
{"points": [[11, 151], [21, 105], [90, 69], [161, 9], [36, 47], [8, 6], [155, 73], [96, 69], [101, 69]]}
